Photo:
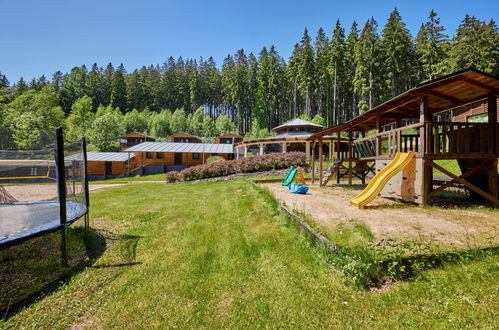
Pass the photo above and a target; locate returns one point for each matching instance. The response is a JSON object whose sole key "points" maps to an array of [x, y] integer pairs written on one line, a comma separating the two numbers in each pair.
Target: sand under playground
{"points": [[330, 206]]}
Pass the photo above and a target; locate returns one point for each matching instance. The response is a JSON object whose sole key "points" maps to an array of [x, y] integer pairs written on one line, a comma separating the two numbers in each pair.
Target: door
{"points": [[109, 169], [178, 158]]}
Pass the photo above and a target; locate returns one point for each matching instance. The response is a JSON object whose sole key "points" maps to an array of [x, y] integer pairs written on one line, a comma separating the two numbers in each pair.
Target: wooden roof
{"points": [[186, 135], [446, 93], [228, 135], [136, 135]]}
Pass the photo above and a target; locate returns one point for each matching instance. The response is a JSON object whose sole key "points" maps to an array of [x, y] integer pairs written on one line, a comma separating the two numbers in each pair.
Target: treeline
{"points": [[335, 76]]}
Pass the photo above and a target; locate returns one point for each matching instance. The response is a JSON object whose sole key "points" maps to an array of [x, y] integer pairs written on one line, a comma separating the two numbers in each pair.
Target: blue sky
{"points": [[41, 37]]}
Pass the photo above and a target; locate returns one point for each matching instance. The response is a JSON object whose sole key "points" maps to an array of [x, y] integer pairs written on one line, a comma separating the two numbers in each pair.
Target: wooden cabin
{"points": [[184, 138], [409, 122], [104, 165], [292, 137], [132, 139], [228, 138], [159, 157]]}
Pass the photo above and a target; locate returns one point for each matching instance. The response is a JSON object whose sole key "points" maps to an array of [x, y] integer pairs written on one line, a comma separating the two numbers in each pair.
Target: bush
{"points": [[246, 165], [214, 159]]}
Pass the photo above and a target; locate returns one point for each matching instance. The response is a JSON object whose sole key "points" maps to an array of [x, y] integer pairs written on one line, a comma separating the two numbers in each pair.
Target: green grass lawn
{"points": [[222, 255]]}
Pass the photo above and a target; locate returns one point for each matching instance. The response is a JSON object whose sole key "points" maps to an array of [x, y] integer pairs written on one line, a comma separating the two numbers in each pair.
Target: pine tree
{"points": [[322, 63], [430, 46], [20, 87], [337, 53], [306, 72], [475, 45], [367, 59], [4, 82], [396, 46], [118, 89], [107, 84], [93, 86], [351, 95]]}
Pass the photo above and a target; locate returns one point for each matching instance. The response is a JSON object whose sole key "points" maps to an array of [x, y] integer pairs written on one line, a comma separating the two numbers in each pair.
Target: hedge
{"points": [[268, 162]]}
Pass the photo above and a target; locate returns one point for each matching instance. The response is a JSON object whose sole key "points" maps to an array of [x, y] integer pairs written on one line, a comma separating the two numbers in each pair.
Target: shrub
{"points": [[214, 159], [246, 165]]}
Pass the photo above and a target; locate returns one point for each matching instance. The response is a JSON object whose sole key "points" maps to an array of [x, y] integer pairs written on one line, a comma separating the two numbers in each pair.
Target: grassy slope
{"points": [[220, 255]]}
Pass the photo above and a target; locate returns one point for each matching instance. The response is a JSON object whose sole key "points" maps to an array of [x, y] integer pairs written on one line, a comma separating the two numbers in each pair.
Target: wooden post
{"points": [[426, 117], [493, 178], [284, 147], [330, 150], [320, 160], [261, 149], [350, 156], [307, 150], [313, 162], [492, 114], [338, 155], [128, 163], [245, 151], [378, 138]]}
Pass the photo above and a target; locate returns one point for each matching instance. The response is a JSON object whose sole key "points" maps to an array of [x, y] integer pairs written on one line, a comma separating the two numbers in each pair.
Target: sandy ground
{"points": [[39, 192], [330, 206]]}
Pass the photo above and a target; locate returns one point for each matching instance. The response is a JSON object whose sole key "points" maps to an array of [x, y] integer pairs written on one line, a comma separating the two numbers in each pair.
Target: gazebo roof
{"points": [[297, 122]]}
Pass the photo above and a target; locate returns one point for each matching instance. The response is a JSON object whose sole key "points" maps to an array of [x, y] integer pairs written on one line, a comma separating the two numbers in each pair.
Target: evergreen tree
{"points": [[306, 71], [322, 63], [367, 58], [431, 44], [475, 45], [351, 96], [93, 86], [4, 82], [396, 46], [118, 89], [20, 87], [337, 68]]}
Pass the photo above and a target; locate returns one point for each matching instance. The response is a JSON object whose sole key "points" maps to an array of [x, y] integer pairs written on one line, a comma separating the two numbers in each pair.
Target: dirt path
{"points": [[38, 192], [330, 206]]}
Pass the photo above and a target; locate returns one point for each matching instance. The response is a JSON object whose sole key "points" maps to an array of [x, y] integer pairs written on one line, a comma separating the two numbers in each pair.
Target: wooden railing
{"points": [[458, 140]]}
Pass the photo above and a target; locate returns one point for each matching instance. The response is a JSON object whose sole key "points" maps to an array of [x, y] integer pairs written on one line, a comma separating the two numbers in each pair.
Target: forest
{"points": [[329, 78]]}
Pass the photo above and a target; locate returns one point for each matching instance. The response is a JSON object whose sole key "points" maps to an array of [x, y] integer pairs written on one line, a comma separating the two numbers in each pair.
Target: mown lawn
{"points": [[222, 255]]}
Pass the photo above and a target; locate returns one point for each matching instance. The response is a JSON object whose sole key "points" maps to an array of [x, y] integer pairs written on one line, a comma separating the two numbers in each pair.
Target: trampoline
{"points": [[23, 220]]}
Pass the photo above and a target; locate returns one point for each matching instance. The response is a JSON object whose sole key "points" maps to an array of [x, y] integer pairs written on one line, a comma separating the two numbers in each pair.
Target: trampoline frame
{"points": [[62, 194]]}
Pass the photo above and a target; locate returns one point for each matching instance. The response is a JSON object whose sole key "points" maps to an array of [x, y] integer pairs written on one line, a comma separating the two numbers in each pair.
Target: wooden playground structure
{"points": [[419, 121]]}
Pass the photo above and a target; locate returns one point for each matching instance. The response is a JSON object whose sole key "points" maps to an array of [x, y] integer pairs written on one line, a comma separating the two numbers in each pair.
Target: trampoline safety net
{"points": [[35, 187]]}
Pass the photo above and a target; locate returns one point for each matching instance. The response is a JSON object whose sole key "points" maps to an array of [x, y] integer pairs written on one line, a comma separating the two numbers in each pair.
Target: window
{"points": [[160, 155], [195, 156], [149, 155], [482, 118]]}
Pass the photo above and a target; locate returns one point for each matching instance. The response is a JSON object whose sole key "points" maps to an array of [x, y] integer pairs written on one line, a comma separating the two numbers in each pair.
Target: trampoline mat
{"points": [[19, 221]]}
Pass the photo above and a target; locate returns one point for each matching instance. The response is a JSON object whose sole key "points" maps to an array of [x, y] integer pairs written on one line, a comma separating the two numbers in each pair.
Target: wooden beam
{"points": [[450, 183], [478, 84], [479, 191], [443, 96]]}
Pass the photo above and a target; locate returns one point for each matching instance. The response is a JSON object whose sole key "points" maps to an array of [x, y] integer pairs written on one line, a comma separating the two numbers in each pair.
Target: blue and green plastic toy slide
{"points": [[290, 176]]}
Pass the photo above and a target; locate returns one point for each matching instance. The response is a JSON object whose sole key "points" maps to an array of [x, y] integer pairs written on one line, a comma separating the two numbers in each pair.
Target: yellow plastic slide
{"points": [[377, 183]]}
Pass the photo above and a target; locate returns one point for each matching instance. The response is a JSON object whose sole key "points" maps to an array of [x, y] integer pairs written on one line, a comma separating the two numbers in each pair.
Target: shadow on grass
{"points": [[33, 268]]}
